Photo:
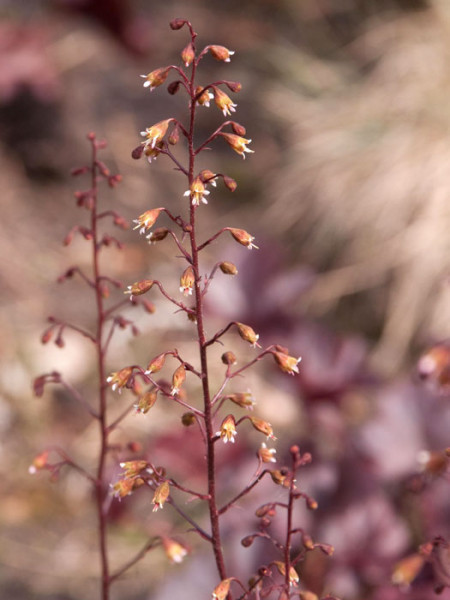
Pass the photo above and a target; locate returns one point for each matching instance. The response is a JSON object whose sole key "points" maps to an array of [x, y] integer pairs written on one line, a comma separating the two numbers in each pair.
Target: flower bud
{"points": [[234, 86], [177, 23], [188, 54], [146, 401], [237, 143], [39, 462], [156, 364], [307, 541], [221, 53], [327, 549], [248, 334], [175, 552], [188, 419], [238, 129], [228, 268], [178, 379], [221, 591], [187, 281], [288, 364], [265, 510], [157, 235], [136, 153], [406, 570], [228, 429], [263, 427], [247, 541], [174, 136], [228, 358], [161, 495], [242, 237], [139, 287], [173, 87], [311, 503], [120, 379], [230, 183], [147, 220], [156, 78]]}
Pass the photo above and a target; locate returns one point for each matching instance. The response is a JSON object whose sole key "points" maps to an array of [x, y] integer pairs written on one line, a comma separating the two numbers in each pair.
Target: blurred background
{"points": [[346, 103]]}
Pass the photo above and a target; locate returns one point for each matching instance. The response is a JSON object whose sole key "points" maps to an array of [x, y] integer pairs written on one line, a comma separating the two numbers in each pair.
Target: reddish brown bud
{"points": [[174, 136], [234, 86], [228, 358], [177, 23], [247, 541], [221, 53], [137, 152], [228, 268], [188, 419], [238, 128], [265, 509], [188, 54], [230, 183], [173, 87], [248, 334]]}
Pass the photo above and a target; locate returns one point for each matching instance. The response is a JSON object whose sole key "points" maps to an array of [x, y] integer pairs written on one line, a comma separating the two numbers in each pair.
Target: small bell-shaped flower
{"points": [[205, 97], [266, 455], [221, 591], [243, 237], [156, 132], [146, 221], [139, 287], [161, 495], [228, 429], [221, 53], [197, 192], [248, 334], [119, 379], [288, 364], [187, 281], [178, 379], [188, 54], [175, 552], [263, 427], [156, 77], [146, 401], [224, 102], [238, 143]]}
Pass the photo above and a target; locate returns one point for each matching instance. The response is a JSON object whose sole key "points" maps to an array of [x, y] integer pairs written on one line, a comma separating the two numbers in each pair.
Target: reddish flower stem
{"points": [[104, 431], [210, 457]]}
